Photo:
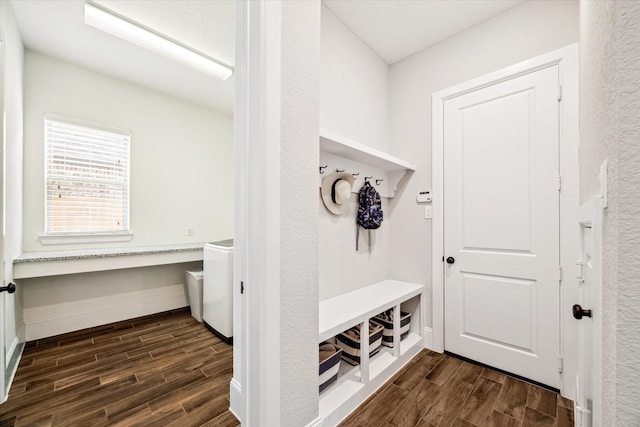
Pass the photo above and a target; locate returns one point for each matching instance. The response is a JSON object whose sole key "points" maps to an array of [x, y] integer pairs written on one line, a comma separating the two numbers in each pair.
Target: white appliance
{"points": [[217, 290]]}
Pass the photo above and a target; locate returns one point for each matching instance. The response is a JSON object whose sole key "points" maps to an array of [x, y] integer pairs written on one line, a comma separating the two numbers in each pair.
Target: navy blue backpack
{"points": [[369, 211]]}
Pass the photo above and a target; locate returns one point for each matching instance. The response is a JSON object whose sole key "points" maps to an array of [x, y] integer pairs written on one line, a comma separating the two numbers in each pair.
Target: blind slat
{"points": [[87, 179]]}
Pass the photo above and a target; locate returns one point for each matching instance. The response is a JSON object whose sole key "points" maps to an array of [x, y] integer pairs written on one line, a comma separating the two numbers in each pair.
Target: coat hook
{"points": [[378, 181], [322, 168], [367, 178], [355, 174], [339, 170]]}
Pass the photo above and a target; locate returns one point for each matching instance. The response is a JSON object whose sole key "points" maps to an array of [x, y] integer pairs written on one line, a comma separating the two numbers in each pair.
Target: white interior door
{"points": [[3, 309], [501, 225]]}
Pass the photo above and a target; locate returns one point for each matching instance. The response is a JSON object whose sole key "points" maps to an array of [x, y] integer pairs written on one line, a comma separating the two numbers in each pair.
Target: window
{"points": [[87, 178]]}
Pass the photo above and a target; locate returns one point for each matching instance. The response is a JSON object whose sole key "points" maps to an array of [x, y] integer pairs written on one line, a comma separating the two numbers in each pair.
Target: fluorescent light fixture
{"points": [[119, 26]]}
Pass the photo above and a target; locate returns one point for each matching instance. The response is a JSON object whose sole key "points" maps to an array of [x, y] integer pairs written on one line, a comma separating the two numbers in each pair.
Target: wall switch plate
{"points": [[428, 212], [190, 231]]}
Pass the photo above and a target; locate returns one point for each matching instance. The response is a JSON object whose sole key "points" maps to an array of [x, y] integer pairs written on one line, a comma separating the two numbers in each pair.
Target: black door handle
{"points": [[11, 288], [579, 312], [451, 260]]}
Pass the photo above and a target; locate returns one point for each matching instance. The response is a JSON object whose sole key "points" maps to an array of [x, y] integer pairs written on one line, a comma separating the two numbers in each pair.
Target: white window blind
{"points": [[87, 178]]}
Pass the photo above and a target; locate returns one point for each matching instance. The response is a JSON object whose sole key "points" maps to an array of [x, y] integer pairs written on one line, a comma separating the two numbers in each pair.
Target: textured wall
{"points": [[610, 129], [300, 100], [597, 143], [525, 31], [627, 90]]}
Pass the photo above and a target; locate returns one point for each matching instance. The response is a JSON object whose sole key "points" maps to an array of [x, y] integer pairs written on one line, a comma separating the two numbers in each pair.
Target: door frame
{"points": [[567, 60]]}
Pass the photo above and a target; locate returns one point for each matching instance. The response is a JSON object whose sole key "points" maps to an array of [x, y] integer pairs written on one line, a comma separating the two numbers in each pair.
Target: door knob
{"points": [[579, 312], [11, 288], [451, 260]]}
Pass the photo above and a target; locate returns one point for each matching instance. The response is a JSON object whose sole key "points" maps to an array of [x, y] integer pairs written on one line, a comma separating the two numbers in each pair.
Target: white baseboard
{"points": [[315, 423], [235, 398], [428, 338], [9, 355], [12, 361], [70, 316]]}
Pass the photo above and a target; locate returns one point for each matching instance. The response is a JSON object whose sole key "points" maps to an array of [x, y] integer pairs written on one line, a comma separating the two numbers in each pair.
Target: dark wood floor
{"points": [[440, 390], [160, 370], [169, 370]]}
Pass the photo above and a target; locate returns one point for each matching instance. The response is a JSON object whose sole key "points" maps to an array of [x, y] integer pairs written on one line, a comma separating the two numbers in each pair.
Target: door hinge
{"points": [[560, 273], [559, 93], [580, 271], [583, 417], [560, 364], [242, 287], [559, 183]]}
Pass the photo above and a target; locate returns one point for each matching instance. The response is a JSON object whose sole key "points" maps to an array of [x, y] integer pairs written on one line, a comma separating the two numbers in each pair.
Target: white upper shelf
{"points": [[343, 147]]}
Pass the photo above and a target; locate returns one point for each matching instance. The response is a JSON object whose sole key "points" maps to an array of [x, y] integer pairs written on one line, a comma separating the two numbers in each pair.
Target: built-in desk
{"points": [[55, 263]]}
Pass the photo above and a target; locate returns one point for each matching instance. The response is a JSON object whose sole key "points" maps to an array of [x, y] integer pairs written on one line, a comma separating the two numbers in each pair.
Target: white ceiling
{"points": [[394, 29], [57, 28]]}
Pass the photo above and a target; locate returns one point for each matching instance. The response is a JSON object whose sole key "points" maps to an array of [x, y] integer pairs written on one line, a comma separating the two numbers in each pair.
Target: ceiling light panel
{"points": [[121, 27]]}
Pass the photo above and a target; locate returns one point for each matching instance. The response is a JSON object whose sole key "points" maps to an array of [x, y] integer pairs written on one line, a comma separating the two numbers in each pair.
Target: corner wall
{"points": [[520, 33]]}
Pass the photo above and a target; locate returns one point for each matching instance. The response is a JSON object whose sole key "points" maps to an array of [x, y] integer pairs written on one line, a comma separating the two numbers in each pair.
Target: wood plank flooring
{"points": [[441, 390], [169, 370], [160, 370]]}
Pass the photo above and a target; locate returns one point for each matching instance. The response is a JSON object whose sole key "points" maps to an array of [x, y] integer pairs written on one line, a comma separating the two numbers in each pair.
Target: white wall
{"points": [[354, 86], [300, 100], [342, 269], [13, 116], [181, 177], [610, 129], [181, 153], [59, 304], [354, 103], [525, 31]]}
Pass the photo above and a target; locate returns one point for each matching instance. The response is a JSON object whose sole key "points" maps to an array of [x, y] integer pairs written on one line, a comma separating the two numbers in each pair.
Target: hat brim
{"points": [[325, 192]]}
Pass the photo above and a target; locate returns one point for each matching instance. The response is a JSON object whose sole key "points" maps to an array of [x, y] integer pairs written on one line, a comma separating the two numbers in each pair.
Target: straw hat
{"points": [[336, 191]]}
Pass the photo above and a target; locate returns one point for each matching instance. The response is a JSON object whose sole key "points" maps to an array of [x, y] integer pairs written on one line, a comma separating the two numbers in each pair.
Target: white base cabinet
{"points": [[356, 383]]}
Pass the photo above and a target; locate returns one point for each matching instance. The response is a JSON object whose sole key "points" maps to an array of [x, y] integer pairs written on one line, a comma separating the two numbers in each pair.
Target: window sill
{"points": [[68, 239]]}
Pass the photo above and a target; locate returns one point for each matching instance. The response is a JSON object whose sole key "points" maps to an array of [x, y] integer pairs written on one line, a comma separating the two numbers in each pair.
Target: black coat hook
{"points": [[322, 168], [378, 181], [339, 170]]}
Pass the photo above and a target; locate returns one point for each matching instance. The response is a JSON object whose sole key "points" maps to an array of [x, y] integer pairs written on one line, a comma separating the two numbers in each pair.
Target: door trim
{"points": [[567, 60]]}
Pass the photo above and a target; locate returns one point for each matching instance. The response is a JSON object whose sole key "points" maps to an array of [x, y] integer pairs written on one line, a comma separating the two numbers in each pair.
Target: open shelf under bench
{"points": [[356, 383]]}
